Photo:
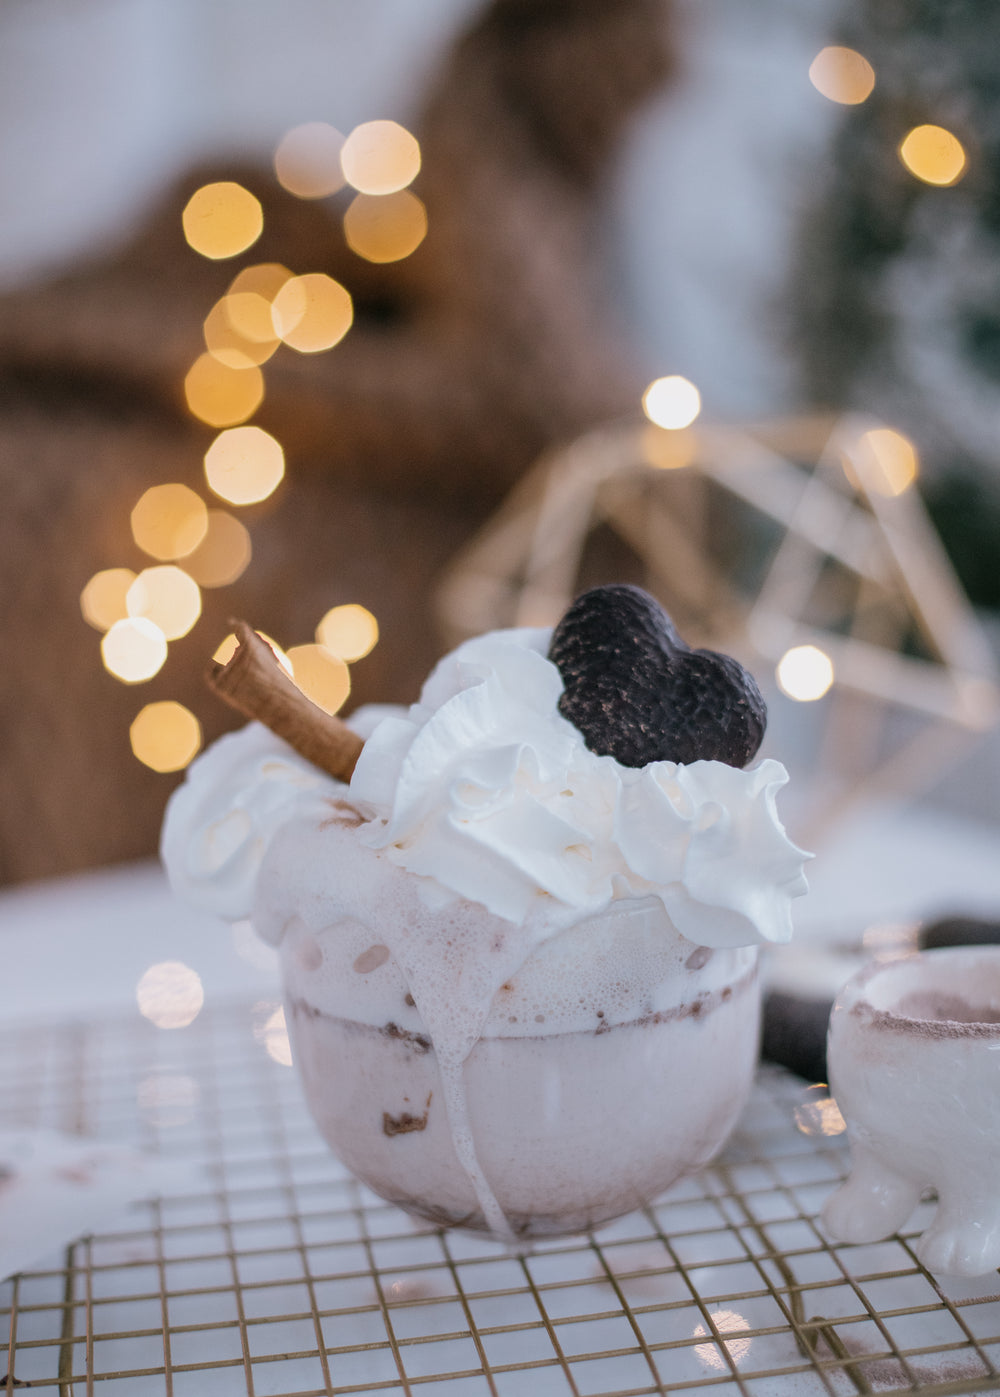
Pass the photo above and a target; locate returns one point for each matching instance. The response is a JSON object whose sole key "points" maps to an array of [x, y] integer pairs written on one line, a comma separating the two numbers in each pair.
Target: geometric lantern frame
{"points": [[758, 539]]}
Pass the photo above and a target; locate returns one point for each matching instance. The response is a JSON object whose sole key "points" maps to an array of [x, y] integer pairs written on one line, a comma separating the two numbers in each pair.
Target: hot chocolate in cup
{"points": [[520, 972], [914, 1060], [613, 1061]]}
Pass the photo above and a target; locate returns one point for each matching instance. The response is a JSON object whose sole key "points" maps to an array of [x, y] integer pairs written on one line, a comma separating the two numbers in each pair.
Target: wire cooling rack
{"points": [[270, 1272]]}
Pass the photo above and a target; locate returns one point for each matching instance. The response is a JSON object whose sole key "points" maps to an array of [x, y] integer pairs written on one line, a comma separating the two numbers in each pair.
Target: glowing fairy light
{"points": [[843, 75], [321, 676], [102, 601], [170, 994], [221, 220], [249, 315], [805, 673], [312, 312], [232, 331], [817, 1113], [227, 649], [307, 160], [884, 461], [169, 521], [167, 596], [244, 465], [224, 554], [165, 736], [933, 154], [350, 632], [221, 395], [385, 228], [380, 157], [264, 279], [672, 402], [134, 649]]}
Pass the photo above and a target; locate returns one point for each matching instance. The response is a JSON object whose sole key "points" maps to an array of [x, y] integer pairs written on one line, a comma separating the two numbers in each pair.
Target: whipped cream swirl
{"points": [[484, 791]]}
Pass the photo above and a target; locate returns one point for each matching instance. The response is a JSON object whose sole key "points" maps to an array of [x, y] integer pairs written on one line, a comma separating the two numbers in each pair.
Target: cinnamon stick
{"points": [[254, 683]]}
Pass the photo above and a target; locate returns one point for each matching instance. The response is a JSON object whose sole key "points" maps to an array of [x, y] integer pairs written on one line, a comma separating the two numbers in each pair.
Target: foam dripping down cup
{"points": [[520, 975]]}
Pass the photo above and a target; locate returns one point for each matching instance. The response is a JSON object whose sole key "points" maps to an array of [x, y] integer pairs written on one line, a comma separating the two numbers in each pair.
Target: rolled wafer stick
{"points": [[254, 683]]}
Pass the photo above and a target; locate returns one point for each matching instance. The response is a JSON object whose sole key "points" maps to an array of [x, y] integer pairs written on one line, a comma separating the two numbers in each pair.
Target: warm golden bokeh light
{"points": [[385, 228], [886, 461], [228, 341], [843, 75], [321, 676], [221, 395], [350, 632], [804, 673], [380, 157], [221, 220], [170, 994], [169, 521], [223, 555], [165, 736], [307, 160], [672, 402], [312, 312], [134, 650], [168, 597], [244, 465], [102, 601], [226, 649], [817, 1113], [933, 155], [249, 314], [261, 279]]}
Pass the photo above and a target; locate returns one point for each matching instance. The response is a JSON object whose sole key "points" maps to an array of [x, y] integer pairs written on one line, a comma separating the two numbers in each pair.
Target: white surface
{"points": [[78, 946], [55, 1188], [906, 864]]}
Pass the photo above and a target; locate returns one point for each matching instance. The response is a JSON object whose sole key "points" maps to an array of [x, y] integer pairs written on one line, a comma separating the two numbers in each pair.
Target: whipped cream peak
{"points": [[487, 791], [484, 791], [219, 823]]}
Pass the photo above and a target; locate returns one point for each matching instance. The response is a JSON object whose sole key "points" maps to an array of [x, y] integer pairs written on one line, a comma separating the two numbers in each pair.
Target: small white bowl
{"points": [[914, 1062]]}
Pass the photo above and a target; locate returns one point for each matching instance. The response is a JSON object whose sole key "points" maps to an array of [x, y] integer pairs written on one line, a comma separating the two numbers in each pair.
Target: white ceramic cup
{"points": [[566, 1123], [914, 1063]]}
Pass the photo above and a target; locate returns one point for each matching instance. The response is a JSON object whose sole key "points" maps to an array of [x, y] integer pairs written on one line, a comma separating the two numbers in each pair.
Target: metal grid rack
{"points": [[270, 1272]]}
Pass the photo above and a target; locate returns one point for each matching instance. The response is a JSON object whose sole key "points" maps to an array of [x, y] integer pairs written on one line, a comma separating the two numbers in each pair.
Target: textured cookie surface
{"points": [[638, 693]]}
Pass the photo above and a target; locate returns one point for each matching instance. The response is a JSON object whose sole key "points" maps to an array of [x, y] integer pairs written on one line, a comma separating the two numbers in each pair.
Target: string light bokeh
{"points": [[843, 75], [267, 306], [672, 402]]}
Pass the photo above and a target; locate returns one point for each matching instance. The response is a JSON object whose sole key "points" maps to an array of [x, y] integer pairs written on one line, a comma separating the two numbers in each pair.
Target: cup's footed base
{"points": [[570, 1130]]}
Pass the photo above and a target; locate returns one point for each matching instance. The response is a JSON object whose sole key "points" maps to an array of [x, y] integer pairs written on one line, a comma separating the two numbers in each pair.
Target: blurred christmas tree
{"points": [[897, 297]]}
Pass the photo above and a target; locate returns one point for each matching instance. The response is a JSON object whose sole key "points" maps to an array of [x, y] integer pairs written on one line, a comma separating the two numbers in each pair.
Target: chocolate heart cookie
{"points": [[637, 693]]}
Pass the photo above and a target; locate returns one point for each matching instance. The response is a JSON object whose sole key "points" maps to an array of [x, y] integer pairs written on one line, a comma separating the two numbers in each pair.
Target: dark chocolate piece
{"points": [[638, 693]]}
